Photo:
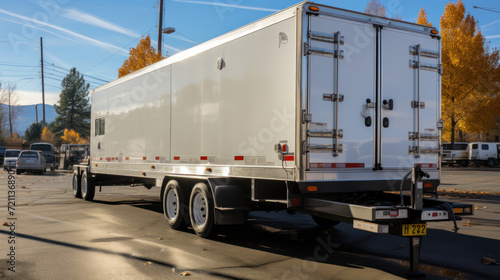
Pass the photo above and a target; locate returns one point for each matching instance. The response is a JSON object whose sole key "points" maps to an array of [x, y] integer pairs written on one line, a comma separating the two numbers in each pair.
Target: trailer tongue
{"points": [[314, 109]]}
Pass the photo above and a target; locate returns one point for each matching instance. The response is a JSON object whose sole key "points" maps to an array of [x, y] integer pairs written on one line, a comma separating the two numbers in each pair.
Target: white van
{"points": [[482, 152], [456, 154]]}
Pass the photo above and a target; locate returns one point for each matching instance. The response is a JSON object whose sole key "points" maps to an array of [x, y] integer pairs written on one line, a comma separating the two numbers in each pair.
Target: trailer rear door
{"points": [[372, 96], [341, 80], [410, 99]]}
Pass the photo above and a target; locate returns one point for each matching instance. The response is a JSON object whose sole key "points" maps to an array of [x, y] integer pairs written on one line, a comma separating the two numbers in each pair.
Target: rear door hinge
{"points": [[333, 97]]}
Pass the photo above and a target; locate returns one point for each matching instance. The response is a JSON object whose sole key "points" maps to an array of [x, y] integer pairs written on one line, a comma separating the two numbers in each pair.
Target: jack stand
{"points": [[415, 243], [416, 203]]}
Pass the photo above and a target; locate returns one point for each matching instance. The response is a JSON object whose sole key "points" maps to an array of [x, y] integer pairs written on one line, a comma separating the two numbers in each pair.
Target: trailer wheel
{"points": [[464, 163], [77, 187], [324, 223], [88, 187], [201, 210], [173, 206], [491, 162]]}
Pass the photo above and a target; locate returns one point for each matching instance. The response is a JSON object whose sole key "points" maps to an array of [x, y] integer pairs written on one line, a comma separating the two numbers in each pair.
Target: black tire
{"points": [[464, 163], [491, 163], [201, 210], [324, 222], [77, 187], [88, 186], [18, 172], [52, 168], [174, 206]]}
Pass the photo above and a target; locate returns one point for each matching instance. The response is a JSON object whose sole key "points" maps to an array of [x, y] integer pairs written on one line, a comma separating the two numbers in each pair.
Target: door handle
{"points": [[389, 105], [368, 105]]}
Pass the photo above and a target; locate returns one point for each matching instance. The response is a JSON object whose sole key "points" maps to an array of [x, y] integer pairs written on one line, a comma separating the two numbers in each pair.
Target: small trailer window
{"points": [[485, 147], [99, 126], [474, 146]]}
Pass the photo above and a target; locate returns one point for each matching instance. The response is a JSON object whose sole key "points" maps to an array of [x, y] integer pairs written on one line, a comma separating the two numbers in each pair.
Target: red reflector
{"points": [[295, 202], [157, 158], [177, 158], [393, 213], [289, 158], [203, 158], [284, 148], [434, 214], [336, 165], [143, 158], [100, 159], [108, 159], [426, 165], [354, 165], [239, 158], [127, 158]]}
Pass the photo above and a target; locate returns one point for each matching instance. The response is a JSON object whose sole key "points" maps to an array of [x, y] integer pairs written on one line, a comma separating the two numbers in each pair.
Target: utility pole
{"points": [[43, 86], [36, 112], [160, 26]]}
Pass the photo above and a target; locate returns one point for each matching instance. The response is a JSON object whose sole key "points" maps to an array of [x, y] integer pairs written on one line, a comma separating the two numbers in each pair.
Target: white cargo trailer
{"points": [[313, 109]]}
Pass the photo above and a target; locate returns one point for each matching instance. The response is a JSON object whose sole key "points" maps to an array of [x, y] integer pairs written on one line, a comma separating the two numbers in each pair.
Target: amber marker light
{"points": [[312, 188], [434, 31], [208, 169], [314, 9], [152, 167]]}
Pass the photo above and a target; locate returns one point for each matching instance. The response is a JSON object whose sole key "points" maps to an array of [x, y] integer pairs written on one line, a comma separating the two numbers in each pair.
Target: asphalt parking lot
{"points": [[123, 235]]}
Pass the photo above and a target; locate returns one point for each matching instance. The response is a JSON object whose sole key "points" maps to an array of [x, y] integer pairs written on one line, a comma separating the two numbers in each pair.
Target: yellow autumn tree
{"points": [[72, 137], [47, 135], [139, 57], [467, 67], [422, 18], [16, 139], [375, 7]]}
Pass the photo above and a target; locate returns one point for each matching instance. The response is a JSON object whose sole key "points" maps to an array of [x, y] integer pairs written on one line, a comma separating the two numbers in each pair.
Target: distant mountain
{"points": [[27, 116]]}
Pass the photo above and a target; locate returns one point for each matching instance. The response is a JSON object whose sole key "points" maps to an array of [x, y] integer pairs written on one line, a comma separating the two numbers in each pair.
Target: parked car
{"points": [[457, 154], [10, 158], [71, 154], [485, 153], [49, 153], [2, 151], [31, 161]]}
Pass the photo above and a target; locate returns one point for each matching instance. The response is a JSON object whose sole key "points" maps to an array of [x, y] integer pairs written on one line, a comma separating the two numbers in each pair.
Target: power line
{"points": [[85, 75], [118, 50], [154, 6], [17, 65], [495, 10]]}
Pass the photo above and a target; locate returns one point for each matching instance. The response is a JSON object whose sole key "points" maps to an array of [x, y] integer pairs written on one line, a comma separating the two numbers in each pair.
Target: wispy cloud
{"points": [[89, 40], [492, 37], [155, 43], [33, 97], [491, 23], [228, 5], [182, 38], [80, 16]]}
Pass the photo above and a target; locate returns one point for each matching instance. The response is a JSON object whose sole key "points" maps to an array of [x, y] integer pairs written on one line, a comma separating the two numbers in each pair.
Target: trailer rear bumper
{"points": [[433, 210]]}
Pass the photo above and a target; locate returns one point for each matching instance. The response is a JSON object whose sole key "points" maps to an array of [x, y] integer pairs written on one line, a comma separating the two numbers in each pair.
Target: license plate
{"points": [[414, 229]]}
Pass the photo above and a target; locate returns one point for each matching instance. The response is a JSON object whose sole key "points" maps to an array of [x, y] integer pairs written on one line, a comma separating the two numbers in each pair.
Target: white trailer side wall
{"points": [[182, 112]]}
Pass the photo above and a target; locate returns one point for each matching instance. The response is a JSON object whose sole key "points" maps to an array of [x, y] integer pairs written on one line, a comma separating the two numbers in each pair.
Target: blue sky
{"points": [[95, 36]]}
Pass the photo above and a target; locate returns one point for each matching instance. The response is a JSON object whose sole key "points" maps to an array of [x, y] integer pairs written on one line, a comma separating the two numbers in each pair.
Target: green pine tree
{"points": [[33, 132], [73, 107]]}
